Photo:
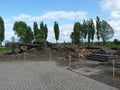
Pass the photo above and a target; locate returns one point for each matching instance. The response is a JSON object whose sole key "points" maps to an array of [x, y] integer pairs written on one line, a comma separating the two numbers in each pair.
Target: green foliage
{"points": [[103, 30], [84, 29], [56, 30], [29, 35], [106, 31], [24, 32], [35, 30], [80, 31], [98, 27], [20, 28], [2, 30], [100, 44], [4, 49], [116, 41], [72, 36], [76, 35], [46, 31], [40, 34], [91, 30]]}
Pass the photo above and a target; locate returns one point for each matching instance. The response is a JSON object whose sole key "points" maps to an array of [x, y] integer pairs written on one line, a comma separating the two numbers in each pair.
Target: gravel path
{"points": [[43, 75]]}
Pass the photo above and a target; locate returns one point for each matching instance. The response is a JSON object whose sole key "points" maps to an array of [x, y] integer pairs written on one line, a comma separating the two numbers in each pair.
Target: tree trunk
{"points": [[0, 43]]}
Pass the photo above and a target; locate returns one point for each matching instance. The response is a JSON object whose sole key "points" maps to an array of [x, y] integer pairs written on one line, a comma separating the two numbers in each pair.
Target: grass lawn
{"points": [[4, 49]]}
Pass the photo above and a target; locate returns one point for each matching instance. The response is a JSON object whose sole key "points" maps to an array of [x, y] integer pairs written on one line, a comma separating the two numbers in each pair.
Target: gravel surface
{"points": [[44, 75]]}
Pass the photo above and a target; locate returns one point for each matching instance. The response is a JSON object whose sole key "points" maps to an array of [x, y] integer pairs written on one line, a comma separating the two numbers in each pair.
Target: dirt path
{"points": [[44, 75]]}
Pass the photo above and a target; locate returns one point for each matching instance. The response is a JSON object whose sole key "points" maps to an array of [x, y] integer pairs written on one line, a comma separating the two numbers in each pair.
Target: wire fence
{"points": [[38, 56]]}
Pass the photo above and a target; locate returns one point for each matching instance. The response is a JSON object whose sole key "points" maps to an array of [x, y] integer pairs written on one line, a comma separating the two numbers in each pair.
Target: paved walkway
{"points": [[35, 75]]}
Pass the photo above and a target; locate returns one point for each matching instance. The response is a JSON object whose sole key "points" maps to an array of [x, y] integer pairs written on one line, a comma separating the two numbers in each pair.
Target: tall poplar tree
{"points": [[106, 31], [35, 30], [56, 31], [40, 33], [76, 35], [84, 29], [42, 30], [98, 28], [91, 30], [29, 35], [2, 30], [45, 31]]}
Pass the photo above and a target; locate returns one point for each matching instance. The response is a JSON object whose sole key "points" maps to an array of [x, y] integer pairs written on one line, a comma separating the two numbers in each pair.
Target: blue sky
{"points": [[66, 12]]}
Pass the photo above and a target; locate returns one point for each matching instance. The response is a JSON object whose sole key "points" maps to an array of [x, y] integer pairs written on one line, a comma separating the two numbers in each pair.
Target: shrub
{"points": [[116, 41]]}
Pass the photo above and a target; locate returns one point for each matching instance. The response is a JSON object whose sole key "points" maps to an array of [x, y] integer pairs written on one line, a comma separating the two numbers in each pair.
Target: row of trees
{"points": [[40, 34], [26, 35], [81, 31], [23, 32], [87, 30]]}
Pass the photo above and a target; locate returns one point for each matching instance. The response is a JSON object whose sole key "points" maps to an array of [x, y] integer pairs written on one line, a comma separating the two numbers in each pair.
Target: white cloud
{"points": [[110, 4], [115, 14], [115, 23], [21, 17], [9, 35], [116, 26], [117, 34], [65, 31], [60, 14], [51, 15], [8, 26], [8, 22], [9, 32], [114, 20], [113, 8]]}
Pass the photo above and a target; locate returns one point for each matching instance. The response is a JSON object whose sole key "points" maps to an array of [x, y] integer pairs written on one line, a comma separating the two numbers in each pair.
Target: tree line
{"points": [[39, 33], [86, 31]]}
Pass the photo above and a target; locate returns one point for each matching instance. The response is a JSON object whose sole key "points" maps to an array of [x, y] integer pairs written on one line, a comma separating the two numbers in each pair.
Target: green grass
{"points": [[107, 44], [4, 49]]}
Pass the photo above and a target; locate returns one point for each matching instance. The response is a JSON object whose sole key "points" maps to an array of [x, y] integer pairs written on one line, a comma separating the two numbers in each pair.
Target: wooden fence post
{"points": [[113, 68], [24, 56], [69, 61]]}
